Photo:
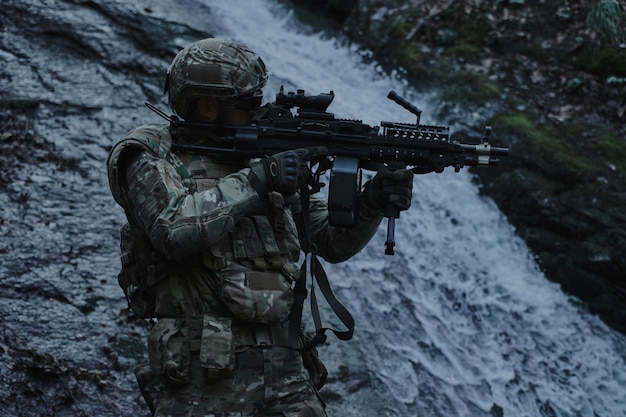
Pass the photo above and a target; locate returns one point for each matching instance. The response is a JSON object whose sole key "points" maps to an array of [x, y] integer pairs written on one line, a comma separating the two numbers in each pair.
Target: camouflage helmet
{"points": [[214, 68]]}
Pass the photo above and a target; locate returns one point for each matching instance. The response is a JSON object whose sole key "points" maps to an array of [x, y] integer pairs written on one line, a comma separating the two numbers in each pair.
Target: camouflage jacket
{"points": [[199, 220]]}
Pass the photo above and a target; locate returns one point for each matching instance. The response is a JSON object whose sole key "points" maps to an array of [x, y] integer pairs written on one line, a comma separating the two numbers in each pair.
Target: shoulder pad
{"points": [[152, 138]]}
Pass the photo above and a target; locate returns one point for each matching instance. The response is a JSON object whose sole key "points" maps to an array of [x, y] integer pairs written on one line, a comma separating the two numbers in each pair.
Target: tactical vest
{"points": [[252, 270]]}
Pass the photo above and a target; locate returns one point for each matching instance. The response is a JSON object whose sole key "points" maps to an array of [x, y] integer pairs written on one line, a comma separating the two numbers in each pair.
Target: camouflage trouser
{"points": [[269, 381]]}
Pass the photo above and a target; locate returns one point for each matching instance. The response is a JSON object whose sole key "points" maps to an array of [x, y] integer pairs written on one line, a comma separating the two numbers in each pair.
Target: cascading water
{"points": [[460, 322]]}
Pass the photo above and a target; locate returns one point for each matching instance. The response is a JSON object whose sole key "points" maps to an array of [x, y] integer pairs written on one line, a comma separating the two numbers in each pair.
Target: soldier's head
{"points": [[216, 80]]}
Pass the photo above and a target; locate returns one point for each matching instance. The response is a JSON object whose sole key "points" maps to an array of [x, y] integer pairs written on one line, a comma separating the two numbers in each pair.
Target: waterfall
{"points": [[461, 321]]}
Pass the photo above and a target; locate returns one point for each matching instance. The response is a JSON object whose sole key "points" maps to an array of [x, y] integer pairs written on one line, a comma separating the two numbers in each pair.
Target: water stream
{"points": [[460, 321]]}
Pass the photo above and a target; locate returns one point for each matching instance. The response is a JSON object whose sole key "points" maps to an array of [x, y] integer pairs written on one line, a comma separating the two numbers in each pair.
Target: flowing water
{"points": [[459, 322]]}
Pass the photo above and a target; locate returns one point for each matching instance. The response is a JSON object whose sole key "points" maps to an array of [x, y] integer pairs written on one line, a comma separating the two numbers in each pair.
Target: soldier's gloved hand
{"points": [[395, 187], [284, 172]]}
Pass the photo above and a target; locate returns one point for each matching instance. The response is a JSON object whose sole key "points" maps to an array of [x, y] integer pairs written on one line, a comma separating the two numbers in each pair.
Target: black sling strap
{"points": [[300, 293]]}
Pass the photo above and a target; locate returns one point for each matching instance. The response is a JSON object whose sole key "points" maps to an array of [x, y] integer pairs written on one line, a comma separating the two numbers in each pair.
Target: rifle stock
{"points": [[352, 146]]}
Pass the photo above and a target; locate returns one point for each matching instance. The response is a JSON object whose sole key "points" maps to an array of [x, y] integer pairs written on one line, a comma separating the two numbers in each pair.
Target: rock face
{"points": [[551, 80], [73, 76]]}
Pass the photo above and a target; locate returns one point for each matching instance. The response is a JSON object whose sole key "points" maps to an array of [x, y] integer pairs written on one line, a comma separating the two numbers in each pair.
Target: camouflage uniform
{"points": [[220, 262]]}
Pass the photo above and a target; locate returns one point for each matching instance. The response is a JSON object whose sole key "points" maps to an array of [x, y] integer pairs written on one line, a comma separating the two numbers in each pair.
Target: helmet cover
{"points": [[213, 68]]}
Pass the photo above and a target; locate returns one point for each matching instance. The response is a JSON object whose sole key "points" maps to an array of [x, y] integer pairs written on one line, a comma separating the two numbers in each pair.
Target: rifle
{"points": [[352, 146]]}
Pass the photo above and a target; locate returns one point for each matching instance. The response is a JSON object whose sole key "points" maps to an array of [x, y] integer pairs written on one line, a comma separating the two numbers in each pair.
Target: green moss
{"points": [[419, 67], [602, 147], [568, 180], [605, 62], [571, 153], [472, 31], [466, 52], [468, 89]]}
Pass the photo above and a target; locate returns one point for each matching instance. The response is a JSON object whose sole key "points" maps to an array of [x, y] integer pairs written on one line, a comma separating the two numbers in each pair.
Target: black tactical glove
{"points": [[394, 187], [284, 172]]}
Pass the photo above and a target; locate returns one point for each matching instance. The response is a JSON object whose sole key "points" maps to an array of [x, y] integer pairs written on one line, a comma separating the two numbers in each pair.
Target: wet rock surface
{"points": [[64, 338], [73, 75]]}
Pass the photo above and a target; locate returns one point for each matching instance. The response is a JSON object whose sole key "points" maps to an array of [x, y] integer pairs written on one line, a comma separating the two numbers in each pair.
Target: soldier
{"points": [[212, 241]]}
